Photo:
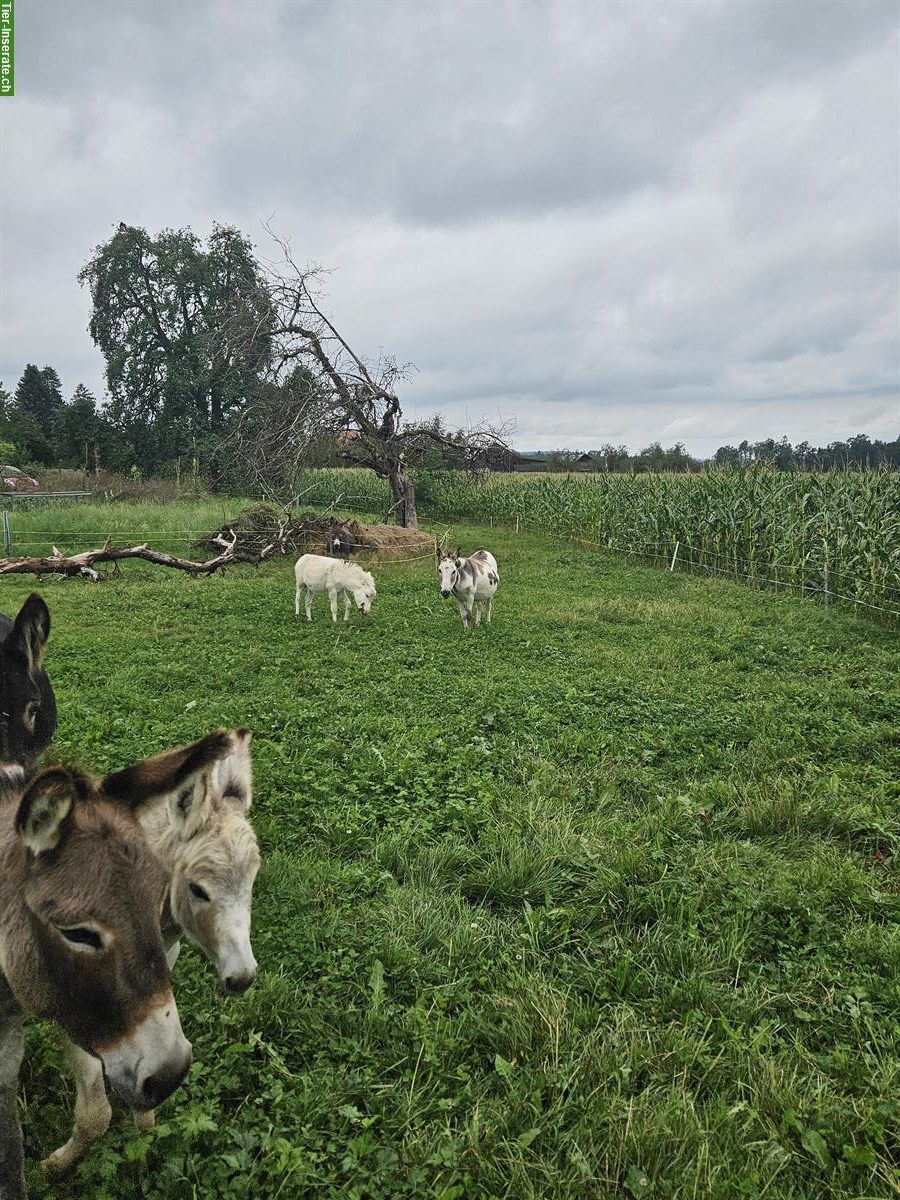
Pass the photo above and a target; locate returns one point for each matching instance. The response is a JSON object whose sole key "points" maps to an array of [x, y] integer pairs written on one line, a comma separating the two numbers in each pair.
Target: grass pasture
{"points": [[835, 532], [598, 902]]}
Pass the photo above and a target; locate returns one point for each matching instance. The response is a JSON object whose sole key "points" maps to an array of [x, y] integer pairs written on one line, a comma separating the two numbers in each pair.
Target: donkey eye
{"points": [[31, 712], [198, 891], [83, 935]]}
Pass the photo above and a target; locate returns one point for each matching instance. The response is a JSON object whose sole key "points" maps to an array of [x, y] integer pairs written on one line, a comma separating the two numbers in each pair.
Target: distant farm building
{"points": [[584, 462], [499, 458]]}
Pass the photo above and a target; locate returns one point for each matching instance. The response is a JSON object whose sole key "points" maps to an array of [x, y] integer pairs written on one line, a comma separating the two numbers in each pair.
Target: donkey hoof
{"points": [[59, 1163], [145, 1120]]}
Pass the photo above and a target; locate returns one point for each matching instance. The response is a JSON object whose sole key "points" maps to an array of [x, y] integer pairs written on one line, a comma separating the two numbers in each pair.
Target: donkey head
{"points": [[211, 850], [80, 939], [340, 540], [27, 703], [448, 570], [364, 593]]}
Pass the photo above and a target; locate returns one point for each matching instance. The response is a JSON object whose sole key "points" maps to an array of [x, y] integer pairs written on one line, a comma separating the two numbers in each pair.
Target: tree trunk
{"points": [[403, 493]]}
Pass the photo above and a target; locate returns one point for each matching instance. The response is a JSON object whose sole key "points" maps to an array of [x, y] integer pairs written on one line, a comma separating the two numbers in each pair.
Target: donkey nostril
{"points": [[236, 985], [157, 1087]]}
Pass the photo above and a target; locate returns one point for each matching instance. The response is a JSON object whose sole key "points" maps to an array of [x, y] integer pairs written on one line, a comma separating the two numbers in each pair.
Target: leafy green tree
{"points": [[727, 456], [613, 458], [184, 330]]}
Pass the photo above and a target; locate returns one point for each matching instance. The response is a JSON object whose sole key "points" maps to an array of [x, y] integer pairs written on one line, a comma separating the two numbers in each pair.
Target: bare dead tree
{"points": [[336, 398]]}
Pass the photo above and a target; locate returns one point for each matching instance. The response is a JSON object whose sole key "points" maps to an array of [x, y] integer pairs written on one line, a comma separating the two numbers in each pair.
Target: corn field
{"points": [[835, 534]]}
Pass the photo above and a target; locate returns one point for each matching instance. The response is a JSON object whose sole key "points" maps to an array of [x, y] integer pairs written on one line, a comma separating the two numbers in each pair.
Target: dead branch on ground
{"points": [[83, 562]]}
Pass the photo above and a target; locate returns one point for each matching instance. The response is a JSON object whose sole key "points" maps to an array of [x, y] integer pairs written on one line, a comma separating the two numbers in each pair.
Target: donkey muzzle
{"points": [[149, 1064], [238, 983], [155, 1088]]}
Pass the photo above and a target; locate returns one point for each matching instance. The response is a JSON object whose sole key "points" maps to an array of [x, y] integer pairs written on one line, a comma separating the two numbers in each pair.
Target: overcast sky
{"points": [[615, 221]]}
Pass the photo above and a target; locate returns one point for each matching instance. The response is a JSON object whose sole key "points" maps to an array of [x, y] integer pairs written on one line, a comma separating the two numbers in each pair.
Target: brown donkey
{"points": [[207, 847], [80, 943]]}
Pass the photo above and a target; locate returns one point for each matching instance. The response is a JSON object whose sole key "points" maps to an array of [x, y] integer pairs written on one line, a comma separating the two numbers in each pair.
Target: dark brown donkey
{"points": [[80, 941], [27, 704]]}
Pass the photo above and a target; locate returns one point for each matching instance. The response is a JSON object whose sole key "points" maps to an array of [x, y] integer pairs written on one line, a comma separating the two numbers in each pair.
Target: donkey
{"points": [[27, 703], [317, 574], [206, 845], [80, 937], [340, 542], [471, 580]]}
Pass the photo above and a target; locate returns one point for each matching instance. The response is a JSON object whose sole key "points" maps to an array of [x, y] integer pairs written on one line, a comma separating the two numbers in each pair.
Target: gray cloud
{"points": [[662, 220]]}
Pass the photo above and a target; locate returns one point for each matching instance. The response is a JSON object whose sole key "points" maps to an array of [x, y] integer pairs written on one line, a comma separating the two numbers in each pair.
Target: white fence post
{"points": [[674, 557]]}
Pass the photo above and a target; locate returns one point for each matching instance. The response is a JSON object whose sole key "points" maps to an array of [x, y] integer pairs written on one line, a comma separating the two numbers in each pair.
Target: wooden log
{"points": [[83, 562]]}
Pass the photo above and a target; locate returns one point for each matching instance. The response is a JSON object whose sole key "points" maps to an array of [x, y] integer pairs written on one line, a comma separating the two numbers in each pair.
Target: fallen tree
{"points": [[83, 563]]}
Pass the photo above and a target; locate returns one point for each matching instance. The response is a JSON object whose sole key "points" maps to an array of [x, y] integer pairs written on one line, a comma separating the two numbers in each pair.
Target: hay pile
{"points": [[393, 541], [261, 528]]}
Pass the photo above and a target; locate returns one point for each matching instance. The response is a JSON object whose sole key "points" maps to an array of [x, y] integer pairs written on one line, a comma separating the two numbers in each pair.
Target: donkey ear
{"points": [[168, 773], [189, 805], [30, 631], [42, 813], [233, 775]]}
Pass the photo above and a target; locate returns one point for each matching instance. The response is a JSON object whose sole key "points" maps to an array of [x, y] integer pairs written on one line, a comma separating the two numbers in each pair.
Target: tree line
{"points": [[38, 428], [858, 451]]}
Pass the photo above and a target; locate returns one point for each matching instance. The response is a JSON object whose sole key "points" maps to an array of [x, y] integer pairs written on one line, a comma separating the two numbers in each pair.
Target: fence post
{"points": [[825, 574], [517, 522], [674, 557], [7, 534]]}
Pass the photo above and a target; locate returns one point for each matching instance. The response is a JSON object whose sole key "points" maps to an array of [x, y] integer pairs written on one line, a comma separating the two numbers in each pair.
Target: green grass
{"points": [[598, 902]]}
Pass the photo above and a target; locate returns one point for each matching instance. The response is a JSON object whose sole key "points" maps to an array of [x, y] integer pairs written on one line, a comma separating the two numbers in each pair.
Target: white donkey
{"points": [[317, 574], [203, 840], [471, 580]]}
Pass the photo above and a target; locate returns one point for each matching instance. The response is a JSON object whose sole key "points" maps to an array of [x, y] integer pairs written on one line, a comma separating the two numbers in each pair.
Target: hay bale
{"points": [[393, 541]]}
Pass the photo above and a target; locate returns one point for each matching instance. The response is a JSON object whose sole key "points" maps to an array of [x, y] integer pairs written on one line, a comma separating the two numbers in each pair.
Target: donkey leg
{"points": [[297, 601], [12, 1048], [479, 607], [346, 606], [490, 608], [308, 604], [92, 1113], [332, 600]]}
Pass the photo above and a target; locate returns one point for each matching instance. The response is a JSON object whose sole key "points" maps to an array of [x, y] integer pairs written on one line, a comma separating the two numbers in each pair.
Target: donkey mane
{"points": [[351, 574]]}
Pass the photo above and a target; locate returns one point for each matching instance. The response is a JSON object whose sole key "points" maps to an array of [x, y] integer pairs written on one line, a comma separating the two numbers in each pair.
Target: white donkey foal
{"points": [[206, 844], [471, 580], [317, 574]]}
